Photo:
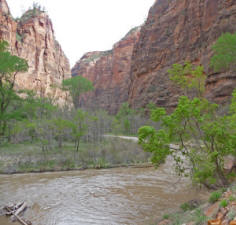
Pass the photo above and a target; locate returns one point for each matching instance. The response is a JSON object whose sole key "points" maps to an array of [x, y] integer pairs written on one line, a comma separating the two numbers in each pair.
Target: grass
{"points": [[189, 214], [215, 196], [28, 157], [166, 216], [183, 217], [224, 203]]}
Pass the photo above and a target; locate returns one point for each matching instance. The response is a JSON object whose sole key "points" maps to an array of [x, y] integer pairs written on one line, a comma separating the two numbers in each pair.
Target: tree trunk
{"points": [[77, 145], [220, 173], [60, 142]]}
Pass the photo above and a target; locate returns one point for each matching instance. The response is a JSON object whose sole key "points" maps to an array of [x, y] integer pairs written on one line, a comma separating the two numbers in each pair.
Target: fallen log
{"points": [[20, 208], [15, 211], [21, 220]]}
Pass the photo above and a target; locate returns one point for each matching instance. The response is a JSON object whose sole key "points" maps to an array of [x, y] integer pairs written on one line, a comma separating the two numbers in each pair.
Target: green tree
{"points": [[202, 137], [76, 86], [60, 126], [10, 66], [188, 78], [224, 52], [79, 127], [123, 119]]}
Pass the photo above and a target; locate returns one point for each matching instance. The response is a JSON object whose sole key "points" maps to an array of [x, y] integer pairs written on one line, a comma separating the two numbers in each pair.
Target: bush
{"points": [[166, 216], [199, 217], [224, 203], [215, 196], [232, 198], [190, 205]]}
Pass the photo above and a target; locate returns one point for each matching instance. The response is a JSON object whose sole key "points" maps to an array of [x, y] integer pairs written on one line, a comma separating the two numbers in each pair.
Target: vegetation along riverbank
{"points": [[218, 210]]}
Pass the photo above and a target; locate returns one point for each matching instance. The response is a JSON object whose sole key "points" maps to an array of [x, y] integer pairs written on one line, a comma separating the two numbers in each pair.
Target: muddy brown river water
{"points": [[105, 197]]}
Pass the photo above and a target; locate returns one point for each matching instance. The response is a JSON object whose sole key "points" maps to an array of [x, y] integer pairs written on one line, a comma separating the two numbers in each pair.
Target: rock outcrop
{"points": [[32, 38], [211, 213], [176, 31], [110, 73]]}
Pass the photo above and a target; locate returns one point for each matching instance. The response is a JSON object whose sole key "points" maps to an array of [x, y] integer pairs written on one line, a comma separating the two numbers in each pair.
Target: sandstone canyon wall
{"points": [[32, 38], [175, 31], [109, 71]]}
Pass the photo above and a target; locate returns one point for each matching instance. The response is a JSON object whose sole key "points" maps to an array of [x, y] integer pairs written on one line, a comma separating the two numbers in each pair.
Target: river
{"points": [[99, 197]]}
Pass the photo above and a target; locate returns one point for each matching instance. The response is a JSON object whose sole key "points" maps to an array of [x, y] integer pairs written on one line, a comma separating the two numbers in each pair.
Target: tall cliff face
{"points": [[177, 31], [32, 38], [174, 32], [110, 73]]}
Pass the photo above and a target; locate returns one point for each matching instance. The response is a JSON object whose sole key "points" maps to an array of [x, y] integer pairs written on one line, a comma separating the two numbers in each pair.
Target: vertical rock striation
{"points": [[174, 32], [32, 38], [177, 31], [110, 73]]}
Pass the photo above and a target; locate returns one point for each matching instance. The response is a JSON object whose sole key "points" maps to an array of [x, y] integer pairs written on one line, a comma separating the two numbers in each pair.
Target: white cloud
{"points": [[88, 25]]}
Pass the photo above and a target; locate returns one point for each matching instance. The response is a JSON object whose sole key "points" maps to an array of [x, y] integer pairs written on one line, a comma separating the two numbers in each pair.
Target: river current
{"points": [[97, 197]]}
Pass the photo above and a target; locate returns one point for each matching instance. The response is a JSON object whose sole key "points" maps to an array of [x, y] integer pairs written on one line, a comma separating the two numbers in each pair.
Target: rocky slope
{"points": [[109, 71], [32, 38], [175, 31], [221, 211]]}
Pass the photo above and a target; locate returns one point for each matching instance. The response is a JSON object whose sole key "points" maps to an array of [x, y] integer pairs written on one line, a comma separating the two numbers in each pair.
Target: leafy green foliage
{"points": [[188, 78], [189, 205], [232, 198], [122, 121], [79, 126], [194, 121], [224, 52], [10, 65], [166, 216], [203, 137], [224, 203], [215, 196], [200, 217], [60, 126], [76, 86]]}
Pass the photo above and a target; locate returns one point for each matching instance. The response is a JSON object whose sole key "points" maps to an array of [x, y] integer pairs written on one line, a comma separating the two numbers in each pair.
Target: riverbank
{"points": [[219, 210], [112, 153], [45, 170]]}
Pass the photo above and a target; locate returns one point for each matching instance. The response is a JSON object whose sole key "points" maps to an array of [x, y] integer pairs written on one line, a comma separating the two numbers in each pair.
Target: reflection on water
{"points": [[112, 196]]}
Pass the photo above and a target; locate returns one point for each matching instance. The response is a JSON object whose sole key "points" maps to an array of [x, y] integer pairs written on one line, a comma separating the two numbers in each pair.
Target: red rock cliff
{"points": [[110, 73], [176, 31], [32, 38]]}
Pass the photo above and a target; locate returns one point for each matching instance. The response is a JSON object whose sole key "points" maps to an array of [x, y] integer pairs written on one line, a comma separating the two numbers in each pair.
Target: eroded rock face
{"points": [[177, 31], [174, 32], [110, 73], [32, 38]]}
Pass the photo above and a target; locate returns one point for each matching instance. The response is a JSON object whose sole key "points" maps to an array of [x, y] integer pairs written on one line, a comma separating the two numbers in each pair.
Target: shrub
{"points": [[224, 203], [200, 217], [189, 205], [215, 196], [232, 198], [166, 216]]}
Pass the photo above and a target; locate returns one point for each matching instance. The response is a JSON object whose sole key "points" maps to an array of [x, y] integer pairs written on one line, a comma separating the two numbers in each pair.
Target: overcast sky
{"points": [[88, 25]]}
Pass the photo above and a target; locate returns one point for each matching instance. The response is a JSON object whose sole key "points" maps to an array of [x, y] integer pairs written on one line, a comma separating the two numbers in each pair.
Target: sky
{"points": [[88, 25]]}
